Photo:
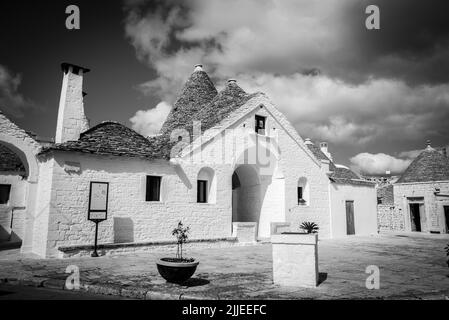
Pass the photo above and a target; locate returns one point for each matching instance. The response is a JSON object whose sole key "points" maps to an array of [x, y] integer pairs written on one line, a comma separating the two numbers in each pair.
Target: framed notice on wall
{"points": [[98, 201]]}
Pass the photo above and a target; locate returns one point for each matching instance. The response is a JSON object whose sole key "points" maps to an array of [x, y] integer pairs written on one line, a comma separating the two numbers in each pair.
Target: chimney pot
{"points": [[324, 149], [308, 141], [198, 67], [66, 67]]}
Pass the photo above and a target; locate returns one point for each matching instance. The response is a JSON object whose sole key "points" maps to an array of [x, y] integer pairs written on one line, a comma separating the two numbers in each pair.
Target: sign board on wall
{"points": [[98, 201]]}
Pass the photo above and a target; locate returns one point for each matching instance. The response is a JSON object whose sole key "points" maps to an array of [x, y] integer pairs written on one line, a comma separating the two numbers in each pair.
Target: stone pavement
{"points": [[412, 266]]}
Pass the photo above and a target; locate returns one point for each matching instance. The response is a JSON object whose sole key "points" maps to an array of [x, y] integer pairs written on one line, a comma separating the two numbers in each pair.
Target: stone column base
{"points": [[295, 259]]}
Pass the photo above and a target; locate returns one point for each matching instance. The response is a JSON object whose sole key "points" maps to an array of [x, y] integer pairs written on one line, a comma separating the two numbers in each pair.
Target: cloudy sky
{"points": [[375, 95]]}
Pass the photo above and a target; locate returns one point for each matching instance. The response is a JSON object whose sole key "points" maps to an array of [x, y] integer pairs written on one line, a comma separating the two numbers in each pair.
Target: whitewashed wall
{"points": [[365, 209], [280, 180], [69, 194]]}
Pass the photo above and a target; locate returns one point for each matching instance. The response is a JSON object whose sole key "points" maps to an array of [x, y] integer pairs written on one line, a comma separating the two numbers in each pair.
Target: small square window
{"points": [[202, 191], [260, 124], [153, 192], [5, 190]]}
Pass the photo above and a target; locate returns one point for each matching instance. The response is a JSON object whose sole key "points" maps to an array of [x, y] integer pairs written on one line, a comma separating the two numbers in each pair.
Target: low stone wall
{"points": [[279, 227], [157, 247], [295, 259], [389, 218]]}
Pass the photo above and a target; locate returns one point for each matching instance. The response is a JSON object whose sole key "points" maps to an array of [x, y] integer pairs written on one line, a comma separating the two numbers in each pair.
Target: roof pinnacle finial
{"points": [[198, 67], [429, 147], [308, 141]]}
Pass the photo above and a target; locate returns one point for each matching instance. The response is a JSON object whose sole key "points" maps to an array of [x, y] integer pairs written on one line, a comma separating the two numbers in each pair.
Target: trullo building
{"points": [[228, 164]]}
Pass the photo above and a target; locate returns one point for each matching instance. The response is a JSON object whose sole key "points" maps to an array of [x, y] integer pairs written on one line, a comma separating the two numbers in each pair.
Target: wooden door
{"points": [[350, 226]]}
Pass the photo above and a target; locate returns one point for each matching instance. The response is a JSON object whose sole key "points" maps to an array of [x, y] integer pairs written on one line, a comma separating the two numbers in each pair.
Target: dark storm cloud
{"points": [[412, 43], [369, 89]]}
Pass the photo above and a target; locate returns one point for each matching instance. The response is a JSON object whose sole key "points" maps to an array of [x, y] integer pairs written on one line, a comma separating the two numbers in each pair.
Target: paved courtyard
{"points": [[412, 266]]}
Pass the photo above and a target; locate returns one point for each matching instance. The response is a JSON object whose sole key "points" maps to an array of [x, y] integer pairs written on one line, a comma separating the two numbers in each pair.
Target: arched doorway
{"points": [[22, 198], [258, 197], [13, 195], [246, 194]]}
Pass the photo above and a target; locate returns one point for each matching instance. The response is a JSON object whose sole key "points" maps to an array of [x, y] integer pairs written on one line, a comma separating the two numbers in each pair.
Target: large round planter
{"points": [[176, 272]]}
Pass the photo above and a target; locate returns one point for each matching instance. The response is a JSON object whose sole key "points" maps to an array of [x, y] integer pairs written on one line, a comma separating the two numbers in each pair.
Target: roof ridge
{"points": [[102, 124]]}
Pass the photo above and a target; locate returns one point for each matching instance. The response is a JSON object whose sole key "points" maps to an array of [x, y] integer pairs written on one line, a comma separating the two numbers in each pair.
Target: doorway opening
{"points": [[246, 194], [415, 216], [350, 225]]}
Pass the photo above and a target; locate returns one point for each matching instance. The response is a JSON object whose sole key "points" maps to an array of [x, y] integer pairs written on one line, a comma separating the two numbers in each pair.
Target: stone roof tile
{"points": [[430, 165], [112, 138]]}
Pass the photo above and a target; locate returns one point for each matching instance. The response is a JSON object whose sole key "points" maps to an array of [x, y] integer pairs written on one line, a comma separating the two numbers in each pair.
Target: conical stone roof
{"points": [[430, 165], [197, 92], [224, 103]]}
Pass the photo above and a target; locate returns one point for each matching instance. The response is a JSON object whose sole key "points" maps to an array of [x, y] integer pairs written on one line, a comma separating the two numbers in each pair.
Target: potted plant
{"points": [[309, 227], [177, 269]]}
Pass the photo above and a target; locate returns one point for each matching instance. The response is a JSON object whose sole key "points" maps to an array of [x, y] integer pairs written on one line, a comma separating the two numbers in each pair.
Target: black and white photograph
{"points": [[214, 151]]}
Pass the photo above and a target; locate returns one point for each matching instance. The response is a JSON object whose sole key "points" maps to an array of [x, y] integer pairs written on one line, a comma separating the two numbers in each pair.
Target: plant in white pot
{"points": [[178, 269]]}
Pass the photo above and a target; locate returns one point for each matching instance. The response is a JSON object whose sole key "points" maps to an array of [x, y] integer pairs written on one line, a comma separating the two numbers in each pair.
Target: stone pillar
{"points": [[295, 259], [71, 118], [245, 232]]}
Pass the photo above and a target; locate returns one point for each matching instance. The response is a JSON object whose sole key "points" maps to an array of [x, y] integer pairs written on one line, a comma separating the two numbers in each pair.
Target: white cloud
{"points": [[269, 45], [346, 114], [11, 101], [377, 164], [411, 154], [149, 122]]}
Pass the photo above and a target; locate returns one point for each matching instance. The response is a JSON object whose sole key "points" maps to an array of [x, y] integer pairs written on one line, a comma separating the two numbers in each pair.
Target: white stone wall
{"points": [[365, 212], [434, 220], [280, 179], [295, 260], [147, 221], [39, 224]]}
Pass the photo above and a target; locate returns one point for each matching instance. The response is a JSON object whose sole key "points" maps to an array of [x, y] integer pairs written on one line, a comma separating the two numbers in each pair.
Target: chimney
{"points": [[198, 67], [308, 141], [71, 118], [323, 147]]}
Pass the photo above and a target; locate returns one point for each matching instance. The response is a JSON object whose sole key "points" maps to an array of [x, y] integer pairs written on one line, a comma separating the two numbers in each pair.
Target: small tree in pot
{"points": [[181, 234], [178, 269]]}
